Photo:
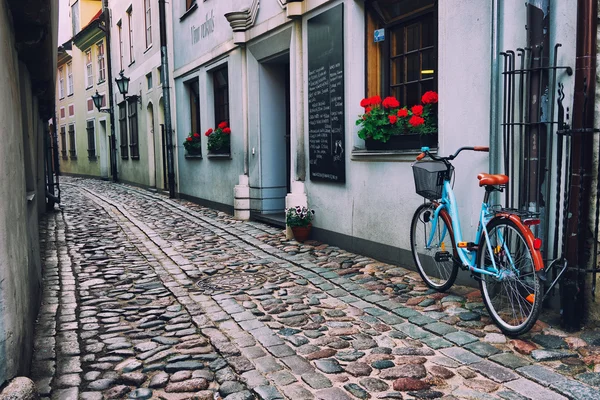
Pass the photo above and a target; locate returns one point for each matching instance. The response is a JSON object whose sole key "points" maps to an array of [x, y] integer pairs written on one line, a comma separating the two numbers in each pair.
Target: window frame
{"points": [[120, 31], [101, 59], [63, 142], [91, 139], [70, 82], [385, 58], [123, 134], [134, 137], [148, 22], [149, 81], [89, 69], [130, 30], [61, 83]]}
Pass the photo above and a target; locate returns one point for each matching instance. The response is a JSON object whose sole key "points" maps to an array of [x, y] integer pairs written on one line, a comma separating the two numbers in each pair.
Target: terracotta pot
{"points": [[301, 233]]}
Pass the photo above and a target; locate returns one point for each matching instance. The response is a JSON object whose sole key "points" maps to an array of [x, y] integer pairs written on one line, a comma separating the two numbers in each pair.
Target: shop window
{"points": [[123, 130], [404, 65]]}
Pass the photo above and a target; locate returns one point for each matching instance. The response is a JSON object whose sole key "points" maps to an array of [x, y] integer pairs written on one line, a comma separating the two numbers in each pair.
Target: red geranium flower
{"points": [[196, 135], [189, 139], [223, 125], [365, 103], [368, 110], [417, 110], [415, 120], [393, 119], [391, 102], [208, 132], [429, 97], [403, 112], [375, 100], [227, 131]]}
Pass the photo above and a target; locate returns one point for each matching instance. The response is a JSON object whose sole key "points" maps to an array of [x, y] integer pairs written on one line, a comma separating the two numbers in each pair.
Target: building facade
{"points": [[288, 77], [26, 104], [140, 115], [83, 131]]}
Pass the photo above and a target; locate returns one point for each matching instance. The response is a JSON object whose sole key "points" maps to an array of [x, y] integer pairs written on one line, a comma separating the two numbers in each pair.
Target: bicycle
{"points": [[504, 257]]}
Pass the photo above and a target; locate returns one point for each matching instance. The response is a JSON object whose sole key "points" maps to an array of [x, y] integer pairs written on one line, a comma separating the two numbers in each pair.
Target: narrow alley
{"points": [[146, 297]]}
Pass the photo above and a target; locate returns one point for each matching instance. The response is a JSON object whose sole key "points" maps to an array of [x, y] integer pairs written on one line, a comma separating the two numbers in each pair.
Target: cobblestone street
{"points": [[147, 297]]}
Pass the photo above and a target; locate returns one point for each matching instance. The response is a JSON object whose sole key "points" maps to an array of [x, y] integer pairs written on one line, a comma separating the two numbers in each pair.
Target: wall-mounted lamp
{"points": [[123, 85], [97, 99]]}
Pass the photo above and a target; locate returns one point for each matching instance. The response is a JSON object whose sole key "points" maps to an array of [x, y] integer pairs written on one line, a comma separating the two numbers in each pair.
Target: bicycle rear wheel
{"points": [[436, 262], [514, 299]]}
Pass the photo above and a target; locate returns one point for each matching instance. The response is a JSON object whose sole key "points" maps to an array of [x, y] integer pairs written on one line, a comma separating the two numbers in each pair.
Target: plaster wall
{"points": [[20, 152]]}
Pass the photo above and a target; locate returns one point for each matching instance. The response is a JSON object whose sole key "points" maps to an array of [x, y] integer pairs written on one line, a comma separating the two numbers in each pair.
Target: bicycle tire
{"points": [[522, 281], [424, 258]]}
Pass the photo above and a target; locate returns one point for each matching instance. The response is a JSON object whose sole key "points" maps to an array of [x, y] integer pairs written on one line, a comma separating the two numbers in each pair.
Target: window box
{"points": [[413, 141], [225, 155]]}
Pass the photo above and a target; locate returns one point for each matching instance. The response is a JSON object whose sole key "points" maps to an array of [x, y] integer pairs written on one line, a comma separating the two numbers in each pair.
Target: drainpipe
{"points": [[113, 139], [579, 237], [494, 161], [166, 96]]}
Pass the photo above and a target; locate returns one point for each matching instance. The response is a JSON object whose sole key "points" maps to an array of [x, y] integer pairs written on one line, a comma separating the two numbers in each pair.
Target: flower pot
{"points": [[301, 233], [221, 150], [412, 141], [194, 151]]}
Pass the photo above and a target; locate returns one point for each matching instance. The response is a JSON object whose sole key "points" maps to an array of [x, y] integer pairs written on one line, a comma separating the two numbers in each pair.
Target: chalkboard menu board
{"points": [[326, 96]]}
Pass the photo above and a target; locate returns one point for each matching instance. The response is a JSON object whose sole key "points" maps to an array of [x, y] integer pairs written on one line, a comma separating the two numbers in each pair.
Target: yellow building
{"points": [[83, 131]]}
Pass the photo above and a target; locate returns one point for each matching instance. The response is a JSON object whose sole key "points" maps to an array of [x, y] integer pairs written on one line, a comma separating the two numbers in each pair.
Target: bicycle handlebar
{"points": [[425, 152]]}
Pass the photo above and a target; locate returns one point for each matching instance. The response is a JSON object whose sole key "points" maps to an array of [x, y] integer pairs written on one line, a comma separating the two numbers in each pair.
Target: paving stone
{"points": [[141, 393], [576, 390], [461, 355], [460, 338], [416, 371], [333, 393], [357, 391], [297, 364], [329, 366], [509, 360], [268, 393], [590, 378], [282, 378], [316, 380], [374, 385], [550, 355], [532, 390], [482, 349], [437, 342], [494, 371], [229, 387], [358, 369], [550, 341], [440, 328], [349, 355], [412, 330], [267, 364], [540, 374]]}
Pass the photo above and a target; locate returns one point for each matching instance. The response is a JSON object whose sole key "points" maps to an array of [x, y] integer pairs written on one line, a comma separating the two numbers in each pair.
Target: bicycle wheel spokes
{"points": [[433, 254], [512, 298]]}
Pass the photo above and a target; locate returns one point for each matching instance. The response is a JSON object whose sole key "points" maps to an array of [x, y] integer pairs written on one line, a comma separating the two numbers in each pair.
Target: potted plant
{"points": [[219, 139], [192, 144], [386, 125], [299, 220]]}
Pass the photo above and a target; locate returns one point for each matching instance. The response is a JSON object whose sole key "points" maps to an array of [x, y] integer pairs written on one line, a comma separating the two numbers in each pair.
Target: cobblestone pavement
{"points": [[146, 297]]}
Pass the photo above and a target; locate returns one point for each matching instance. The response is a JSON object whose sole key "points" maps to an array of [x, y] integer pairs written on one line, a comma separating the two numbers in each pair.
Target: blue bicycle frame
{"points": [[467, 257]]}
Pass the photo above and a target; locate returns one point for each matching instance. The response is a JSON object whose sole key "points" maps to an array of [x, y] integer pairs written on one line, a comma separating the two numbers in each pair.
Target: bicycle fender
{"points": [[538, 261]]}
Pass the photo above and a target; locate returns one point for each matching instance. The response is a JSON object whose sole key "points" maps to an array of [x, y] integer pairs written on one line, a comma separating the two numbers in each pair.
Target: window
{"points": [[149, 80], [89, 69], [194, 106], [62, 113], [130, 21], [405, 64], [90, 105], [72, 147], [91, 140], [61, 83], [63, 142], [133, 129], [221, 92], [160, 75], [101, 64], [120, 45], [75, 17], [70, 78], [123, 130], [71, 110], [148, 23]]}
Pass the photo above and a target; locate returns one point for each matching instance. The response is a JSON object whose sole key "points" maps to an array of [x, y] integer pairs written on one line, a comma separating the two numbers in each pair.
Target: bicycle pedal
{"points": [[442, 256]]}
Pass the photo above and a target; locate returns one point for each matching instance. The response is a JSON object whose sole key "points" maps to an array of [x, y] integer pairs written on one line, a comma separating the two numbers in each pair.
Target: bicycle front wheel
{"points": [[434, 255], [512, 298]]}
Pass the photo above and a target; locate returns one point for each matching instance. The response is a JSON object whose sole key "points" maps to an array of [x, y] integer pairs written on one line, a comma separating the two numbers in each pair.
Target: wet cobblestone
{"points": [[147, 297]]}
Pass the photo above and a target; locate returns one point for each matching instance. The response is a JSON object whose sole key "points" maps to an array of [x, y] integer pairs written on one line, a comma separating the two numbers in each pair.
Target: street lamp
{"points": [[123, 85], [97, 99]]}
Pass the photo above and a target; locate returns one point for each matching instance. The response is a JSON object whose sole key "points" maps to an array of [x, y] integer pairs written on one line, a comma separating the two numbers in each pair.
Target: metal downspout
{"points": [[574, 307], [113, 139], [494, 162], [166, 97]]}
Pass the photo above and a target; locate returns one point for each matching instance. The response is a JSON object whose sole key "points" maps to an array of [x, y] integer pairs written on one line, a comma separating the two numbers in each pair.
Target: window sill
{"points": [[89, 87], [70, 95], [361, 154], [101, 82], [124, 157], [226, 156], [73, 158], [194, 157], [93, 158], [135, 158], [147, 49], [131, 63], [65, 157], [188, 12]]}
